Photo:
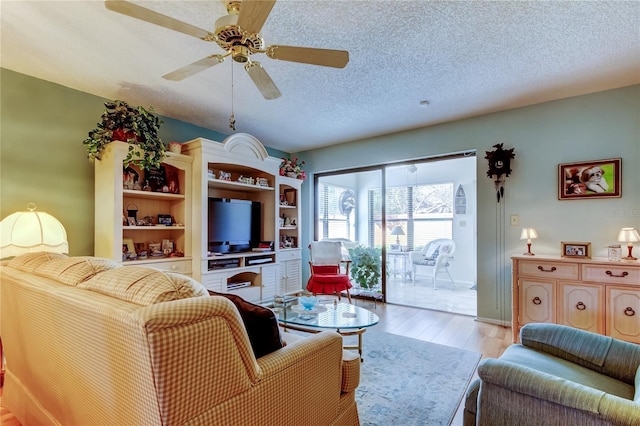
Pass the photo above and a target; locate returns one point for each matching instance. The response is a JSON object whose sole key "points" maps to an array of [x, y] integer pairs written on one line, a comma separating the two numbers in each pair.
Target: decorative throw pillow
{"points": [[434, 254], [29, 262], [431, 251], [260, 323]]}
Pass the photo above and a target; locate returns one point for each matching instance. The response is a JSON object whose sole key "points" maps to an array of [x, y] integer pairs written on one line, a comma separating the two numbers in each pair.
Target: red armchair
{"points": [[327, 264]]}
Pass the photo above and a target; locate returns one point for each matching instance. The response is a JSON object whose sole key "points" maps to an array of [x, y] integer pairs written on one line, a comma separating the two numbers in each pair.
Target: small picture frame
{"points": [[129, 246], [578, 250], [590, 179], [164, 219], [131, 221], [167, 246]]}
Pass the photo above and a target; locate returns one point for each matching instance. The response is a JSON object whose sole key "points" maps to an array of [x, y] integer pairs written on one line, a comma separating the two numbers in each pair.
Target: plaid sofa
{"points": [[88, 342]]}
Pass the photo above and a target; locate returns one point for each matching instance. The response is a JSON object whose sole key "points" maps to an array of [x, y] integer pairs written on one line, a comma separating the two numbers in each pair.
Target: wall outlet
{"points": [[515, 220]]}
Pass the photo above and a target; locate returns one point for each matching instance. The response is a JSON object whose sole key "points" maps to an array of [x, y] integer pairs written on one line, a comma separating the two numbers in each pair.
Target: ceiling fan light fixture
{"points": [[240, 54]]}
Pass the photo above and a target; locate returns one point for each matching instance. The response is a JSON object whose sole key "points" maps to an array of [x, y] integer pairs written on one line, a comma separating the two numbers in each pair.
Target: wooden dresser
{"points": [[590, 294]]}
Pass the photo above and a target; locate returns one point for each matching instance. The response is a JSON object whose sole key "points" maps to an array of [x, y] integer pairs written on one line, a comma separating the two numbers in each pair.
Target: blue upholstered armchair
{"points": [[558, 375]]}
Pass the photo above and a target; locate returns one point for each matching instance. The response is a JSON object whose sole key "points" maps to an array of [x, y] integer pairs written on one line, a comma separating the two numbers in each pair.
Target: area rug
{"points": [[406, 381]]}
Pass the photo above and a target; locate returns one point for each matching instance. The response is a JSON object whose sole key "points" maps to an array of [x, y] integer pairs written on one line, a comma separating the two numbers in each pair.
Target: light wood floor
{"points": [[433, 326]]}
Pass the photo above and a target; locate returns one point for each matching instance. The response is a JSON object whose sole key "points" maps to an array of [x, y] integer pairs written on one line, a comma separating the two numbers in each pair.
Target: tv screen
{"points": [[234, 225]]}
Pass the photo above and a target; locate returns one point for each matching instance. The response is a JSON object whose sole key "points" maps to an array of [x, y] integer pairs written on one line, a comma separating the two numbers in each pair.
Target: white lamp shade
{"points": [[628, 235], [31, 231], [528, 233], [397, 230]]}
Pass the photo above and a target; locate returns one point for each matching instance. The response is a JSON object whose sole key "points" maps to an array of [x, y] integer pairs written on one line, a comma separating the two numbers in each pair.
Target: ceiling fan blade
{"points": [[262, 80], [194, 68], [144, 14], [309, 55], [253, 14]]}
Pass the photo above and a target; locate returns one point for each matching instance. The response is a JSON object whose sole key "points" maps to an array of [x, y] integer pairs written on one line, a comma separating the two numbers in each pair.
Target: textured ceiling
{"points": [[466, 58]]}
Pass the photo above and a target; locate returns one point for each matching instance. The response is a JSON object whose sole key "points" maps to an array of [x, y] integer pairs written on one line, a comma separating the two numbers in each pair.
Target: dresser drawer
{"points": [[615, 274], [180, 266], [549, 270], [284, 255]]}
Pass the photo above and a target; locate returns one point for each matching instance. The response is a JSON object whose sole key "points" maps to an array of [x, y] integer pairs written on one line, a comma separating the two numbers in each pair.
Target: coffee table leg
{"points": [[359, 333]]}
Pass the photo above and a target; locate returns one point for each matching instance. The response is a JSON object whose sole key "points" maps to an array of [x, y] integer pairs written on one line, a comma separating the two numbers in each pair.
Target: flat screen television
{"points": [[234, 225]]}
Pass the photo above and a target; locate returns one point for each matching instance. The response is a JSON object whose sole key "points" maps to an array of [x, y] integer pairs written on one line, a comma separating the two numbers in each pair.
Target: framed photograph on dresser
{"points": [[578, 250]]}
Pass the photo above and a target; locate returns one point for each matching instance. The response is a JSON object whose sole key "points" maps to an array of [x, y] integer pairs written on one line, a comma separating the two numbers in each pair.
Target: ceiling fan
{"points": [[238, 34]]}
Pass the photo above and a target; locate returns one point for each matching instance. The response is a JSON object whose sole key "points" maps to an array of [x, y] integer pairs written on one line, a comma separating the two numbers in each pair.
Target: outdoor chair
{"points": [[329, 269], [434, 257]]}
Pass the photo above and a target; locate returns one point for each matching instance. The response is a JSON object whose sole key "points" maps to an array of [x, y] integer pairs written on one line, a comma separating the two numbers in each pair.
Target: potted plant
{"points": [[134, 125], [366, 266]]}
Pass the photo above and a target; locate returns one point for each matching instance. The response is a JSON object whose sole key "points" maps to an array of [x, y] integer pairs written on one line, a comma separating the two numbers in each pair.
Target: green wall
{"points": [[591, 127], [42, 159]]}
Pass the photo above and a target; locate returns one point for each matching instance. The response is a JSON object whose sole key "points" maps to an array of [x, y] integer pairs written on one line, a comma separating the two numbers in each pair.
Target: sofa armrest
{"points": [[603, 354], [553, 389]]}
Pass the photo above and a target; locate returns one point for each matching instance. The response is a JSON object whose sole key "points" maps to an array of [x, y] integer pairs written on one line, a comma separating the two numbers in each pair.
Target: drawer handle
{"points": [[553, 269], [629, 311], [581, 306], [536, 300], [622, 275]]}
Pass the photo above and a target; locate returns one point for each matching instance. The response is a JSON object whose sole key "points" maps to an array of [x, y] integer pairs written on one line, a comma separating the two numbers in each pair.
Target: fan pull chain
{"points": [[232, 118]]}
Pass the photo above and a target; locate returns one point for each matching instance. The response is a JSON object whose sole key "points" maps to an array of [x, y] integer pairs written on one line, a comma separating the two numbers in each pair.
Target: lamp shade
{"points": [[31, 231], [528, 233], [628, 235], [397, 230]]}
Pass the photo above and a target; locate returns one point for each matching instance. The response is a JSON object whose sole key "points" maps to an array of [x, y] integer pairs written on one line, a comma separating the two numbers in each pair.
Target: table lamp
{"points": [[629, 236], [528, 234], [30, 231], [397, 231]]}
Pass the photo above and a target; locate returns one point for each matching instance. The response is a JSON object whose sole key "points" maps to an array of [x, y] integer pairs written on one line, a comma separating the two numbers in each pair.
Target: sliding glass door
{"points": [[348, 210], [389, 215]]}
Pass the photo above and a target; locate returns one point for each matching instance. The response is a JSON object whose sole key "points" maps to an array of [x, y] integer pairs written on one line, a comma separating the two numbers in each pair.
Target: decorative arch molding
{"points": [[244, 144]]}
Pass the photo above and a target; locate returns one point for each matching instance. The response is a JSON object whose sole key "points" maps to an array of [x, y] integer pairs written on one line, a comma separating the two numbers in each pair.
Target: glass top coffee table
{"points": [[346, 319]]}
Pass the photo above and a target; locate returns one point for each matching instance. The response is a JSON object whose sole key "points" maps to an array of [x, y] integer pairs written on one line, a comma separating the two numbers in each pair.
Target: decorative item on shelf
{"points": [[155, 249], [132, 212], [264, 182], [499, 167], [614, 252], [629, 236], [528, 234], [175, 147], [134, 125], [164, 219], [290, 197], [292, 168], [397, 231], [128, 249], [224, 175], [246, 179], [167, 247], [211, 174], [131, 177], [30, 231]]}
